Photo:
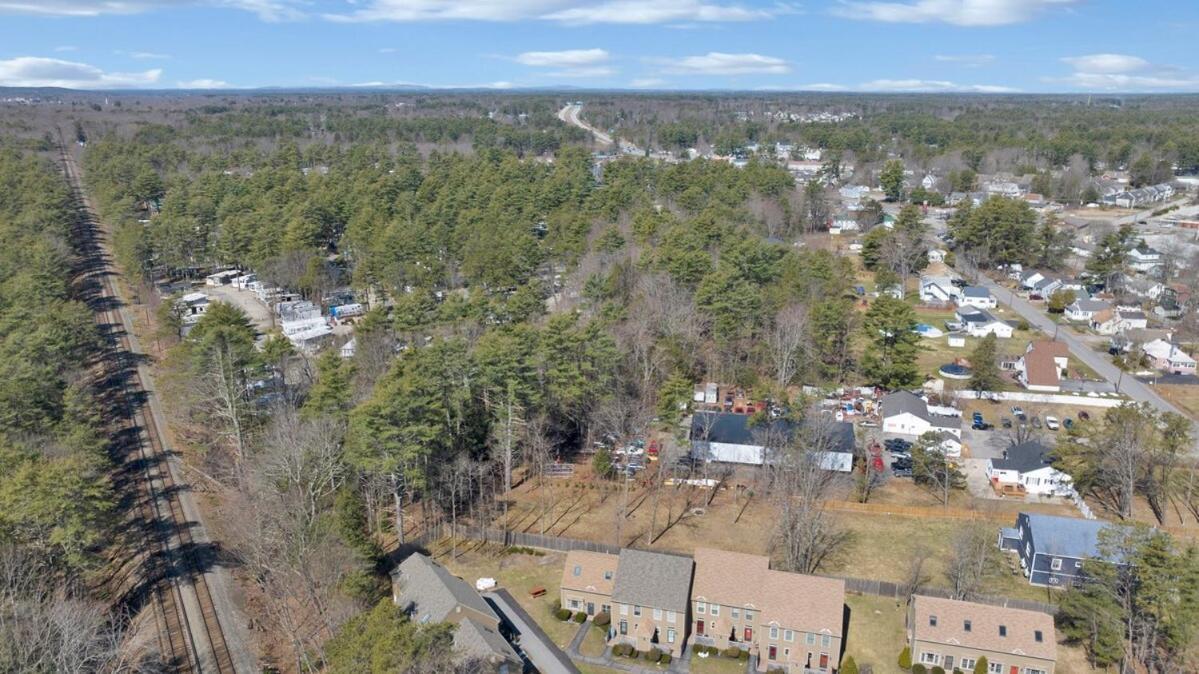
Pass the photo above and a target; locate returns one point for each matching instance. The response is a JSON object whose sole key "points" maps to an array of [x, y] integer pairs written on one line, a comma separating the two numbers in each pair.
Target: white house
{"points": [[937, 254], [1144, 259], [1169, 358], [1083, 310], [1028, 465], [1041, 366], [1030, 278], [938, 289], [1121, 319], [904, 413], [980, 323], [977, 296]]}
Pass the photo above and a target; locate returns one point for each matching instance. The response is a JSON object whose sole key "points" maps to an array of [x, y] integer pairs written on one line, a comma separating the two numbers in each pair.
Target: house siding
{"points": [[1038, 566]]}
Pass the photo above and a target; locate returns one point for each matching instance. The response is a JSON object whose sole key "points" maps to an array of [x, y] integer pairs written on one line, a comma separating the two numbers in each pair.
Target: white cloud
{"points": [[204, 84], [915, 85], [647, 83], [1107, 63], [968, 60], [956, 12], [719, 63], [34, 71], [561, 11], [570, 58], [1123, 72], [268, 10]]}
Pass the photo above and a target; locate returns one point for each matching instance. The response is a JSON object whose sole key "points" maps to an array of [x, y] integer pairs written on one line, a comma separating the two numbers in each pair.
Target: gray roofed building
{"points": [[904, 401], [1065, 536], [1024, 457], [978, 292], [653, 579]]}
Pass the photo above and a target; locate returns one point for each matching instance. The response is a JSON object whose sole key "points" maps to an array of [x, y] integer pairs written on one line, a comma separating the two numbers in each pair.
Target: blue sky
{"points": [[854, 45]]}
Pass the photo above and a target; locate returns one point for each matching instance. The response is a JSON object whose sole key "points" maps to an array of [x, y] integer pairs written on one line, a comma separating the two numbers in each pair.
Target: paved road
{"points": [[570, 115], [1079, 348], [541, 651]]}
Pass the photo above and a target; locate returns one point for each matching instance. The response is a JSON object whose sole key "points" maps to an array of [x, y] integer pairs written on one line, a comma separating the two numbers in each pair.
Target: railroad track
{"points": [[190, 634]]}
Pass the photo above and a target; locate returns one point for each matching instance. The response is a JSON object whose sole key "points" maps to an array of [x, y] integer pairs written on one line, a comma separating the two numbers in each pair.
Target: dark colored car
{"points": [[1083, 416], [901, 471], [1007, 423]]}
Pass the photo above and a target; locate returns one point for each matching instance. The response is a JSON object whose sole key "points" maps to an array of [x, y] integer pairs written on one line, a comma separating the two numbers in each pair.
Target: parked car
{"points": [[1007, 423], [1017, 411], [901, 470], [1051, 423]]}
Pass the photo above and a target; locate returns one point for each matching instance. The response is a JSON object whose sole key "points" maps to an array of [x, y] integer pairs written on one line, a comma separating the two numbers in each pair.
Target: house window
{"points": [[636, 610], [932, 621], [578, 570], [786, 652], [701, 607], [749, 616], [1038, 636], [1003, 630], [671, 616], [657, 614], [574, 603], [811, 639], [967, 665], [774, 632], [607, 575], [966, 625], [929, 658], [995, 667], [1056, 564], [788, 635], [736, 613], [670, 634], [715, 609], [604, 608], [826, 640], [1030, 670]]}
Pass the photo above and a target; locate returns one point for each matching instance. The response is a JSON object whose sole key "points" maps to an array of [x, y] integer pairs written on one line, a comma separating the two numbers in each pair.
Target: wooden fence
{"points": [[878, 588]]}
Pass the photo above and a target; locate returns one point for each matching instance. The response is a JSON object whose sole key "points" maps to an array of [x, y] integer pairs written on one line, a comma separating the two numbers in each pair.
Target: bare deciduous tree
{"points": [[972, 561], [788, 343], [806, 531]]}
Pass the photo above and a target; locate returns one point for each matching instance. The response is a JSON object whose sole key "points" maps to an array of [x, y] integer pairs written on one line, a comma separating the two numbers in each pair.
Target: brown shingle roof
{"points": [[985, 621], [729, 578], [1040, 368], [1053, 348], [804, 603], [591, 567]]}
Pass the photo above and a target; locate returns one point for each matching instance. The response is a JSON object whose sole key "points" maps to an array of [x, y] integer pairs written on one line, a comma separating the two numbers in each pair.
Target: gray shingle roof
{"points": [[1065, 536], [734, 429], [479, 640], [427, 588], [1024, 457], [653, 579], [976, 291], [903, 401]]}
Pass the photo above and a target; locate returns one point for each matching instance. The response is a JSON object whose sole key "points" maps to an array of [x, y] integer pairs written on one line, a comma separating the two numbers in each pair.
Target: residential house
{"points": [[1084, 309], [1002, 188], [792, 622], [1144, 259], [587, 582], [1046, 286], [728, 437], [1052, 548], [1127, 340], [1120, 319], [977, 296], [980, 323], [954, 635], [1167, 357], [1028, 464], [937, 254], [650, 599], [938, 289], [1041, 366], [429, 593], [1030, 278], [904, 413]]}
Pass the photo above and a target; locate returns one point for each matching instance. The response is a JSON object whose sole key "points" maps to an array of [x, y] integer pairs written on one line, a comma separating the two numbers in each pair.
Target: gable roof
{"points": [[653, 579], [735, 429], [976, 291], [804, 603], [1091, 305], [1065, 536], [951, 615], [1040, 368], [730, 578], [472, 637], [1024, 457], [431, 593], [591, 567], [901, 402]]}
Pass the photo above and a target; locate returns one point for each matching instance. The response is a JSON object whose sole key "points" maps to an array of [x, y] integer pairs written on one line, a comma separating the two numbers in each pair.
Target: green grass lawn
{"points": [[717, 664], [594, 644]]}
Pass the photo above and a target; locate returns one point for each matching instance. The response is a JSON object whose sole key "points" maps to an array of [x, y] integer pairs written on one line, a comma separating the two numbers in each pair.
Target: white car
{"points": [[1051, 423]]}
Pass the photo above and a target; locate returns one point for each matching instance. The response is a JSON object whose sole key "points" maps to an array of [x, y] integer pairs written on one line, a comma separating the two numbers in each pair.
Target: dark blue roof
{"points": [[734, 429], [1065, 536]]}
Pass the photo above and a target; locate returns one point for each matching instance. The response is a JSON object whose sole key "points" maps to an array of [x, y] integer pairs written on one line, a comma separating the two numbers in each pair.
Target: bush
{"points": [[905, 658], [580, 617], [918, 669], [603, 620], [563, 614], [623, 650], [981, 666], [665, 659], [732, 652], [654, 655], [849, 666], [938, 669]]}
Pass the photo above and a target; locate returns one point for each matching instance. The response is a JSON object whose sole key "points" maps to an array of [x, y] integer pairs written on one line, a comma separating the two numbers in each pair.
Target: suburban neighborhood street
{"points": [[1078, 347]]}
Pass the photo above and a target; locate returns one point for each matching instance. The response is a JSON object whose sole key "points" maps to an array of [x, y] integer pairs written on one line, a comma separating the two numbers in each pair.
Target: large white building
{"points": [[906, 414]]}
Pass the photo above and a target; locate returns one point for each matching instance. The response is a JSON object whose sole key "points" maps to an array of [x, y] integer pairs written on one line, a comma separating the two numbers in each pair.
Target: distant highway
{"points": [[570, 115]]}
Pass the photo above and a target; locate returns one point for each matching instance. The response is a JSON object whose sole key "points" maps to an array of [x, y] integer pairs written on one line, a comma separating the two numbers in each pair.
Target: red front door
{"points": [[699, 627], [749, 634], [773, 653], [824, 660], [1015, 669]]}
